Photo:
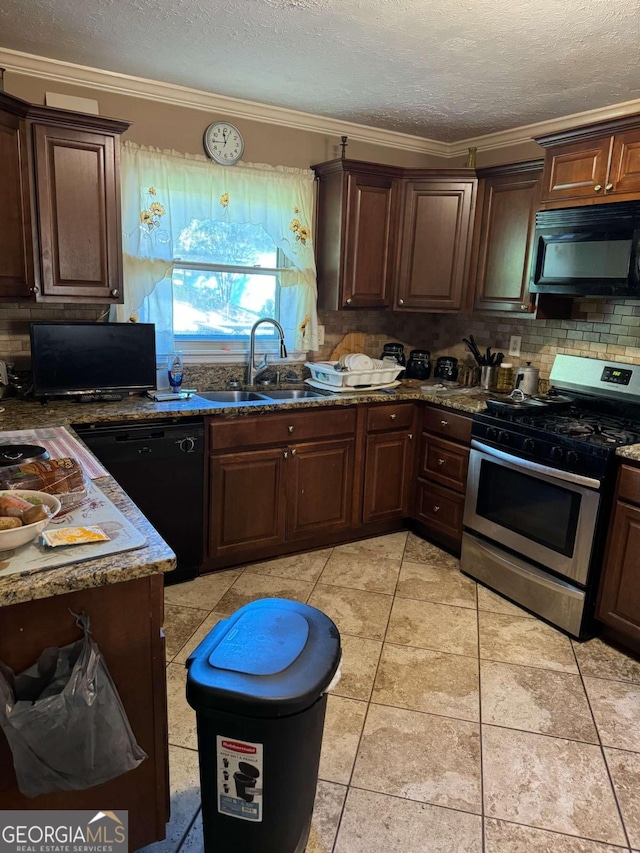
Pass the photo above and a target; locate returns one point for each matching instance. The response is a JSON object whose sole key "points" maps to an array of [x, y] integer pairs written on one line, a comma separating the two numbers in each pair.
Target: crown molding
{"points": [[182, 96], [527, 132]]}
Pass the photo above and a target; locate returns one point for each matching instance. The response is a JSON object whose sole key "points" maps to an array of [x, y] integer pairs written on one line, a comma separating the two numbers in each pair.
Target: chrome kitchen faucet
{"points": [[254, 371]]}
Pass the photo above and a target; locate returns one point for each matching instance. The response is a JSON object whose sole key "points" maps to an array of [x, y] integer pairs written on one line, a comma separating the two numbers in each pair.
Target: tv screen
{"points": [[92, 358]]}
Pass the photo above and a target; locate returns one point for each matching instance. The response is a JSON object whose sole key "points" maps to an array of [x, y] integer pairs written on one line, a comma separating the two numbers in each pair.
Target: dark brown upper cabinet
{"points": [[508, 198], [357, 213], [435, 235], [592, 164], [62, 223]]}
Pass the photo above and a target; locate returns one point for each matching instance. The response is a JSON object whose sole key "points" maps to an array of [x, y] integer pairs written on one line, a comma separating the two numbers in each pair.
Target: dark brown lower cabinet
{"points": [[283, 490], [619, 594], [388, 475], [247, 500], [126, 622], [320, 484], [442, 475]]}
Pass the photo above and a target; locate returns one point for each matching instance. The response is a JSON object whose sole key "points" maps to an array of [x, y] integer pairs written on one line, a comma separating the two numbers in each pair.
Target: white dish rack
{"points": [[326, 374]]}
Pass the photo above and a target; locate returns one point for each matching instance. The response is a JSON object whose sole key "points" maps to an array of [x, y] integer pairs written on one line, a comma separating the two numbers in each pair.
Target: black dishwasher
{"points": [[160, 465]]}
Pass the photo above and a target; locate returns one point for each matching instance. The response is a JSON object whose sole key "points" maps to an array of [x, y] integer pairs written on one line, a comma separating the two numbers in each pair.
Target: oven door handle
{"points": [[527, 464]]}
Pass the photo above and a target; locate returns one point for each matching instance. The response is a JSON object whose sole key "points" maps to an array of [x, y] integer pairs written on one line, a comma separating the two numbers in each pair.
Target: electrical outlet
{"points": [[320, 336], [514, 344]]}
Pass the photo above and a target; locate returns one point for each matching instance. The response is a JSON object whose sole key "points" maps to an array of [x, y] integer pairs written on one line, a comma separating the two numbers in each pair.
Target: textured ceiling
{"points": [[442, 69]]}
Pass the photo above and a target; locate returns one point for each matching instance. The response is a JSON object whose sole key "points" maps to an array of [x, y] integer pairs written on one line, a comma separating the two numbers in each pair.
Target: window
{"points": [[210, 250], [226, 276]]}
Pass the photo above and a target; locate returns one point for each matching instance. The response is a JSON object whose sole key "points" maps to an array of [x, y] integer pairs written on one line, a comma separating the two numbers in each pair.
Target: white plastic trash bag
{"points": [[64, 720]]}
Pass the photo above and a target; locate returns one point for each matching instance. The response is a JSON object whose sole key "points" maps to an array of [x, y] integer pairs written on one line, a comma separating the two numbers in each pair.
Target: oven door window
{"points": [[542, 512]]}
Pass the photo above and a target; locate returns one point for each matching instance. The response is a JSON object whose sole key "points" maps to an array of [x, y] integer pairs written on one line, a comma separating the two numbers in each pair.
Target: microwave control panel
{"points": [[616, 375]]}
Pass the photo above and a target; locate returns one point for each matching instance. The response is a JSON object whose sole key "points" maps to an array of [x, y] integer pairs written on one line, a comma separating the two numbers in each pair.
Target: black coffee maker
{"points": [[419, 364]]}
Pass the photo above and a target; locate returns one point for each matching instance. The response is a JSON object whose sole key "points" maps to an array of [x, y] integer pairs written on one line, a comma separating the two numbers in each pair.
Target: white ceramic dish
{"points": [[10, 539]]}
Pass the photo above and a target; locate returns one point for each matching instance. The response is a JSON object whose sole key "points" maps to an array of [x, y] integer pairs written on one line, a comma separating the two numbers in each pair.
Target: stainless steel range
{"points": [[540, 485]]}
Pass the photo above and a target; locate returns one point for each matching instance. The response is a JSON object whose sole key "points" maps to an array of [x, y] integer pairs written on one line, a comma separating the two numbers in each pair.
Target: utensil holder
{"points": [[488, 376]]}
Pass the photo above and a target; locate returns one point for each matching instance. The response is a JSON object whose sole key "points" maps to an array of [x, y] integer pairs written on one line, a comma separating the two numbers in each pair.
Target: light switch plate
{"points": [[515, 342], [320, 336]]}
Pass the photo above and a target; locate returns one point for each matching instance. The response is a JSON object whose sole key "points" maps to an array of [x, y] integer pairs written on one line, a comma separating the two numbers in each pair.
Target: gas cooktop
{"points": [[591, 427]]}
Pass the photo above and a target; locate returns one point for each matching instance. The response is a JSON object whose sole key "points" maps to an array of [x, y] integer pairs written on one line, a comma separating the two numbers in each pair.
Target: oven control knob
{"points": [[492, 433], [504, 437], [572, 457], [557, 453], [529, 445]]}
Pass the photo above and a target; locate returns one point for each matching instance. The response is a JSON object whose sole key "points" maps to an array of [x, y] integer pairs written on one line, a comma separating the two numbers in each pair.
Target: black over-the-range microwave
{"points": [[588, 251]]}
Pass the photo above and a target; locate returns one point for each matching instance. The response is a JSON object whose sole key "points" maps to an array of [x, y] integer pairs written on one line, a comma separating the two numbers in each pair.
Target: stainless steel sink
{"points": [[293, 394], [231, 396]]}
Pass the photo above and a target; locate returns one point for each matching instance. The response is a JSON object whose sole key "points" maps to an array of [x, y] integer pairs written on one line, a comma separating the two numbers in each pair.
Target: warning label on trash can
{"points": [[240, 778]]}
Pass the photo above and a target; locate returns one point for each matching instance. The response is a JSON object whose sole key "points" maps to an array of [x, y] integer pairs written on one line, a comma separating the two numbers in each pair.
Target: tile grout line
{"points": [[185, 834], [482, 827], [369, 703], [602, 752]]}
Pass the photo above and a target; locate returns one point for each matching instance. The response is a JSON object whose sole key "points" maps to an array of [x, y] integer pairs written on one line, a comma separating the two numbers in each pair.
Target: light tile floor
{"points": [[461, 723]]}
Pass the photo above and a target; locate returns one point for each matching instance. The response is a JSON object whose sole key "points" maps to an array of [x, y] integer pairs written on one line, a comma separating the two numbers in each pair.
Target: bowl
{"points": [[17, 536]]}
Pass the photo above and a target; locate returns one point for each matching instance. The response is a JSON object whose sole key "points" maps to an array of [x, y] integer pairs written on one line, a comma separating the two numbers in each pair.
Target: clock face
{"points": [[223, 143]]}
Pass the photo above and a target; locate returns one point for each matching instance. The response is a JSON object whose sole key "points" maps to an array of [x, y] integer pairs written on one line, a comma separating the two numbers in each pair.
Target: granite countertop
{"points": [[22, 414], [154, 558]]}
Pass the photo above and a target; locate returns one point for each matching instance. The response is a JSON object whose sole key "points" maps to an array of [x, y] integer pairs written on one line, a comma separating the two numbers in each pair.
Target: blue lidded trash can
{"points": [[258, 684]]}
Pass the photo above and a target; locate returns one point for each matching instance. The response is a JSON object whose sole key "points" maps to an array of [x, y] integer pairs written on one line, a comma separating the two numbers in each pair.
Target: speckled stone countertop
{"points": [[21, 414], [155, 557], [631, 452]]}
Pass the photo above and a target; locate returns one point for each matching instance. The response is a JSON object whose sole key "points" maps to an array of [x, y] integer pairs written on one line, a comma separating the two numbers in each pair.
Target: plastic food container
{"points": [[382, 373]]}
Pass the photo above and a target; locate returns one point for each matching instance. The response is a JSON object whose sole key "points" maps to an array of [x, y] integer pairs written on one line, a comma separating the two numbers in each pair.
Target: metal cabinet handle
{"points": [[393, 417], [349, 301], [410, 436], [444, 423], [400, 301], [597, 188], [34, 289], [524, 307], [290, 429], [436, 509], [115, 293], [440, 461], [609, 187], [286, 454], [293, 452]]}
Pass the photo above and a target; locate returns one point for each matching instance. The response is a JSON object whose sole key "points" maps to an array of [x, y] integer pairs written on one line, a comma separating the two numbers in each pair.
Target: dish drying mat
{"points": [[96, 508], [60, 443]]}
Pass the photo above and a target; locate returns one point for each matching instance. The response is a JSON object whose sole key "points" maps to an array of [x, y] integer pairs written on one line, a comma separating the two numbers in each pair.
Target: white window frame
{"points": [[230, 350]]}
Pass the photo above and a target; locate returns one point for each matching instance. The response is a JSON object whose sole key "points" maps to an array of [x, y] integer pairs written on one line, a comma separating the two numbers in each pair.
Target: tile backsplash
{"points": [[599, 329]]}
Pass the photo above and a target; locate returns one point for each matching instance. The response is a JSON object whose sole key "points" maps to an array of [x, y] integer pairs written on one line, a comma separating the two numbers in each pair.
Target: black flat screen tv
{"points": [[92, 358]]}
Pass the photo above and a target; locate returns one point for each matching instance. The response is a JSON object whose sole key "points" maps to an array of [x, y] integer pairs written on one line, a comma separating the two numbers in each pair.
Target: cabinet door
{"points": [[619, 601], [504, 233], [387, 477], [247, 501], [574, 170], [320, 487], [16, 249], [444, 462], [367, 276], [78, 215], [435, 245], [624, 175]]}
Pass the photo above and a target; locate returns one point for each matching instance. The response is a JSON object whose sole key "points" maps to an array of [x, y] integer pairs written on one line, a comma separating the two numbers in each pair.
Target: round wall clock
{"points": [[223, 143]]}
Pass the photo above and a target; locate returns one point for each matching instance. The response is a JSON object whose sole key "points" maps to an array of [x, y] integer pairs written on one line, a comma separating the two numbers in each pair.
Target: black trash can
{"points": [[258, 685]]}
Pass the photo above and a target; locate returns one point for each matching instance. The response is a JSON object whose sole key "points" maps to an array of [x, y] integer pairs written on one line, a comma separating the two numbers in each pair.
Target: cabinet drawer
{"points": [[444, 462], [440, 509], [447, 424], [629, 484], [280, 428], [393, 416]]}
